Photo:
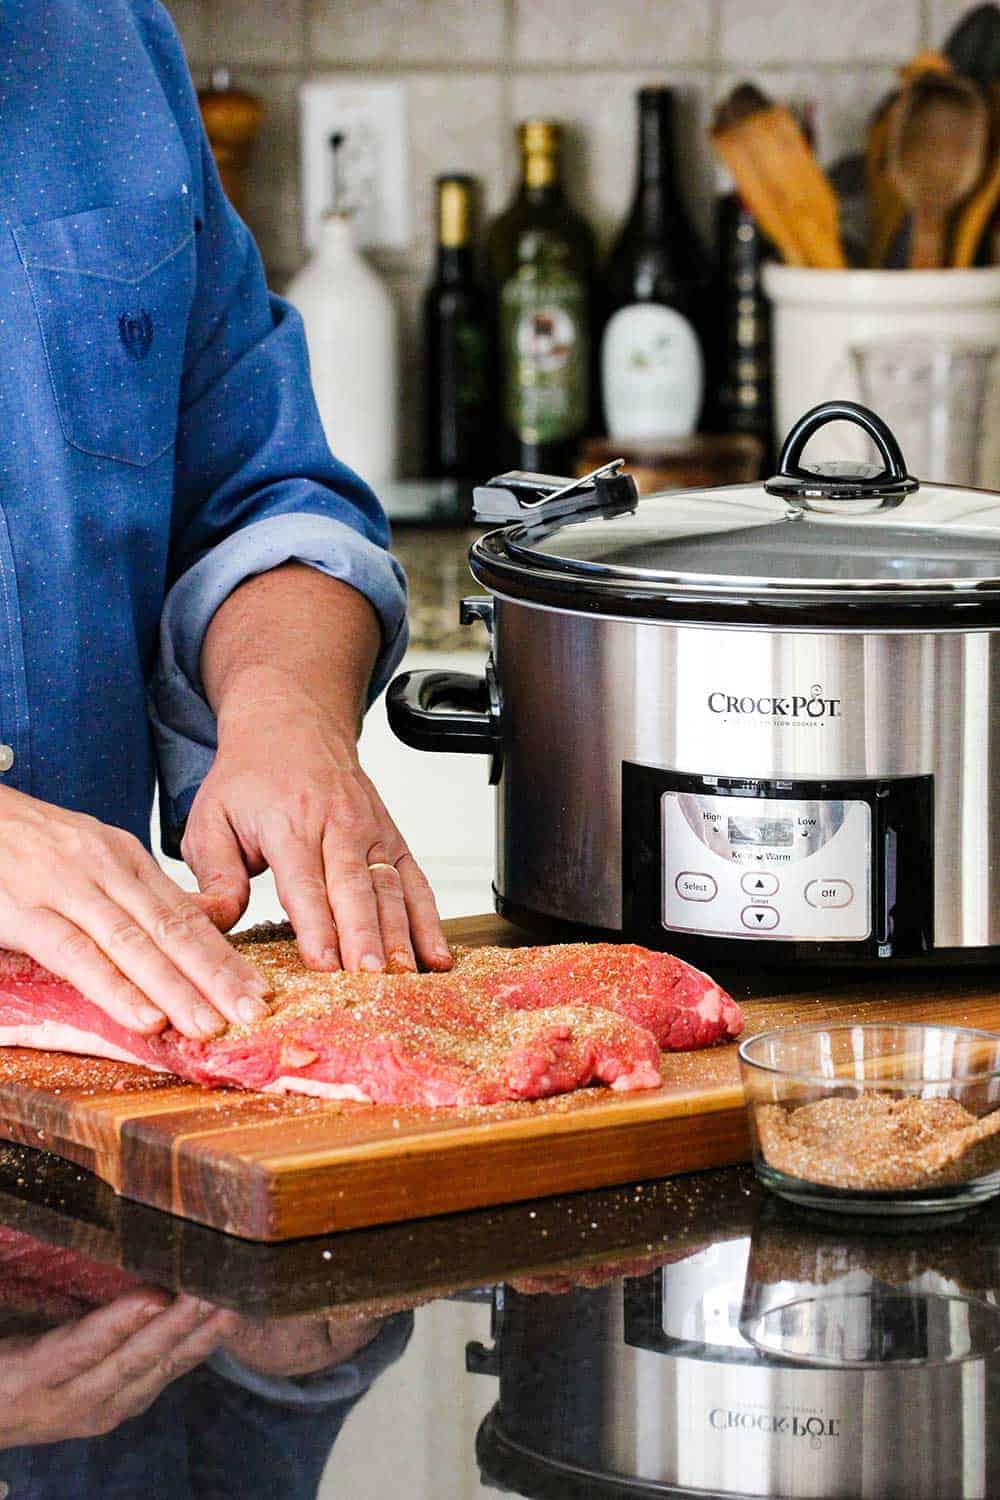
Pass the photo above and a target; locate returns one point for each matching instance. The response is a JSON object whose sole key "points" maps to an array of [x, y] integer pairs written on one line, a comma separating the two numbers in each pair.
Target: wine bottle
{"points": [[744, 387], [541, 256], [657, 296], [458, 428]]}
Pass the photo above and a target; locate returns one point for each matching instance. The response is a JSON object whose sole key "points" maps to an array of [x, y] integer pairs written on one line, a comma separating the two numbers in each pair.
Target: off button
{"points": [[692, 885], [829, 893]]}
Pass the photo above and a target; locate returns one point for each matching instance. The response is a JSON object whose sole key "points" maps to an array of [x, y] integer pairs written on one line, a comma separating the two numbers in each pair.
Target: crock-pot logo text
{"points": [[777, 1424], [811, 705]]}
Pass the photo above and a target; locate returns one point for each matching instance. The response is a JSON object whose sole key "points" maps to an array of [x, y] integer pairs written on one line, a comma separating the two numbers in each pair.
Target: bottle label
{"points": [[652, 373], [544, 341]]}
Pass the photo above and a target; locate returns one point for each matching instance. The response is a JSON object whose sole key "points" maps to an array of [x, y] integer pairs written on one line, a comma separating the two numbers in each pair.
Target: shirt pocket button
{"points": [[6, 761]]}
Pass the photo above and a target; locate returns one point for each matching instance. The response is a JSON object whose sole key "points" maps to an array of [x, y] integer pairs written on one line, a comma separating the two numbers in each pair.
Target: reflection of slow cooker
{"points": [[647, 1388], [759, 714]]}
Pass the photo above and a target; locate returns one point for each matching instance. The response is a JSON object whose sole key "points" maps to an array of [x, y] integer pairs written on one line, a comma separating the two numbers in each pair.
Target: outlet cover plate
{"points": [[374, 160]]}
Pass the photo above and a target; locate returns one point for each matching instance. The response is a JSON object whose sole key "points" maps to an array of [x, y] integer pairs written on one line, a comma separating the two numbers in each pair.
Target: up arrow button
{"points": [[759, 883]]}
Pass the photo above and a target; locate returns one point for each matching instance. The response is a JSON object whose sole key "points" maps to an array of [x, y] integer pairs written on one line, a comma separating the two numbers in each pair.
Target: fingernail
{"points": [[206, 1309], [249, 1009], [400, 961], [442, 951], [208, 1021], [372, 964], [330, 958], [259, 985], [148, 1015]]}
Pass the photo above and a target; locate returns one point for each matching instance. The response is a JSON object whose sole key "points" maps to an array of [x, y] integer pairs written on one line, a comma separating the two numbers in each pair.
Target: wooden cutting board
{"points": [[276, 1168]]}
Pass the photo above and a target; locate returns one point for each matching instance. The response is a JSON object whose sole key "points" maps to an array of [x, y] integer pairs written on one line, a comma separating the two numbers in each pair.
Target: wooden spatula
{"points": [[779, 178], [936, 152]]}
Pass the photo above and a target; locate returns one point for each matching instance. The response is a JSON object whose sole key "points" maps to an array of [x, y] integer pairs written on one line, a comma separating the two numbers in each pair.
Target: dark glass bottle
{"points": [[541, 256], [744, 390], [657, 322], [459, 427]]}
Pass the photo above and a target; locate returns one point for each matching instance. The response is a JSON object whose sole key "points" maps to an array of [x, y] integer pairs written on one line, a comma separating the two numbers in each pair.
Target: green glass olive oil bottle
{"points": [[541, 261]]}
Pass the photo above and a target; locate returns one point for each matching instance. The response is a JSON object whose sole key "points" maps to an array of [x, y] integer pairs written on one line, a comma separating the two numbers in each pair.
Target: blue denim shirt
{"points": [[159, 440], [159, 443]]}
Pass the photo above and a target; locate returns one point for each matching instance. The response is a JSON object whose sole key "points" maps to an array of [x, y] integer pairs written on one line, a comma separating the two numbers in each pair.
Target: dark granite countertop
{"points": [[609, 1309]]}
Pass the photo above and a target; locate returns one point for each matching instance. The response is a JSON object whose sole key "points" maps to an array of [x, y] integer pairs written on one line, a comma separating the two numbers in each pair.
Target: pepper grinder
{"points": [[232, 120]]}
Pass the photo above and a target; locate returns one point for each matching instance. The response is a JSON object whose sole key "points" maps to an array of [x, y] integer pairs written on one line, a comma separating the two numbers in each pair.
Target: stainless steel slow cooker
{"points": [[761, 716]]}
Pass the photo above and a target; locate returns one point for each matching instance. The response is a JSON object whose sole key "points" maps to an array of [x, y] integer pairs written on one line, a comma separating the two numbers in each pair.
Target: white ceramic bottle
{"points": [[351, 329]]}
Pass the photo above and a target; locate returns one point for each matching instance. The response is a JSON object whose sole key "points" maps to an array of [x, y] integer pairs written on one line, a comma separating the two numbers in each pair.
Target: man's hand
{"points": [[88, 902], [286, 663], [287, 791], [299, 1346], [86, 1378]]}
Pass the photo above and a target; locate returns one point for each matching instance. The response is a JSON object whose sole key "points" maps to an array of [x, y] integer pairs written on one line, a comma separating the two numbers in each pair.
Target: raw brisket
{"points": [[680, 1005], [502, 1024]]}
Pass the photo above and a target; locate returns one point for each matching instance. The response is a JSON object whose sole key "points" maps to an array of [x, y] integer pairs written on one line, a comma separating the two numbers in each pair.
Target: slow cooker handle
{"points": [[453, 711], [848, 479], [841, 411]]}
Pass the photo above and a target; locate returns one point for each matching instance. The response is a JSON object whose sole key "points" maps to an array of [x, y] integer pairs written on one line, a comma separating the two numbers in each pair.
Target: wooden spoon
{"points": [[936, 151], [886, 209], [980, 210]]}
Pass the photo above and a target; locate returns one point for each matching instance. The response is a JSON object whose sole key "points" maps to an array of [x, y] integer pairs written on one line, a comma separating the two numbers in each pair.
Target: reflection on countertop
{"points": [[690, 1335], [435, 560]]}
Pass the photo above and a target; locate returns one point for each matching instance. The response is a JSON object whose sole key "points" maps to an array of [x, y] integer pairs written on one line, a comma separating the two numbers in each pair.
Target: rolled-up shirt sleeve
{"points": [[183, 723], [346, 1381], [255, 482]]}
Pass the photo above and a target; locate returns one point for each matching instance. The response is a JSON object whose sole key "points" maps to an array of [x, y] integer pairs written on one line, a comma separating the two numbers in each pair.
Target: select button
{"points": [[693, 886], [829, 893], [759, 918]]}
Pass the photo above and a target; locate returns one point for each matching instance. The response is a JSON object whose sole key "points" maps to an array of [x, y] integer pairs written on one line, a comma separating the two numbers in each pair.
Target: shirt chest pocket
{"points": [[112, 288]]}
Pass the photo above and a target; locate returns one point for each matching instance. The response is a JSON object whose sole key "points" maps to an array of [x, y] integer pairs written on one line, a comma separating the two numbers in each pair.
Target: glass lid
{"points": [[743, 538], [837, 527]]}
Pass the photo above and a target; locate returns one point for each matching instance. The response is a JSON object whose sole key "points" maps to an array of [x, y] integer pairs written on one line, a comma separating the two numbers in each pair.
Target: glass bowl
{"points": [[875, 1118]]}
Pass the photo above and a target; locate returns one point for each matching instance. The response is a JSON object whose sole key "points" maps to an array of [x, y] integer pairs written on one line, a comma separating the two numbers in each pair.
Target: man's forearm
{"points": [[292, 629]]}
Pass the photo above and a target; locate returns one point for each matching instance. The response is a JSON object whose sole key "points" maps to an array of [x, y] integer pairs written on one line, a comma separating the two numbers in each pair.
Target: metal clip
{"points": [[523, 496], [585, 481]]}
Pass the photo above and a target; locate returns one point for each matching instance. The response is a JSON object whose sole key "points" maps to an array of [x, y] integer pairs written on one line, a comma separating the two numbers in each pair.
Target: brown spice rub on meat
{"points": [[502, 1025], [879, 1141], [474, 1036]]}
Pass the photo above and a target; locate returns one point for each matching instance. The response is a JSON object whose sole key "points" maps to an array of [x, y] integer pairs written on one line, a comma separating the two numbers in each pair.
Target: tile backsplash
{"points": [[472, 68]]}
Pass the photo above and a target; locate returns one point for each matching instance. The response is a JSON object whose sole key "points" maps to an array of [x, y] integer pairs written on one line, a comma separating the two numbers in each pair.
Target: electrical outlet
{"points": [[373, 162]]}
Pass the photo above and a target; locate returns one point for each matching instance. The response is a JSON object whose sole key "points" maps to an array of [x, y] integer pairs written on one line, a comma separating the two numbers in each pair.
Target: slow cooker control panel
{"points": [[743, 866], [809, 869]]}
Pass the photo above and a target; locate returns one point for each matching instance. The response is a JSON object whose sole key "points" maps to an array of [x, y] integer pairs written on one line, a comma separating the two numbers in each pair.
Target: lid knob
{"points": [[840, 480]]}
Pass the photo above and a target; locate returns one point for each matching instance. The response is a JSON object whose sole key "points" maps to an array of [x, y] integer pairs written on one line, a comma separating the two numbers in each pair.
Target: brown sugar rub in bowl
{"points": [[883, 1117], [877, 1143]]}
